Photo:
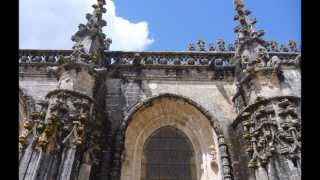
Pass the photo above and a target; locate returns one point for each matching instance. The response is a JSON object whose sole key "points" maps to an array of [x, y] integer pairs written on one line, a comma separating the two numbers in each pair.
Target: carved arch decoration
{"points": [[202, 129]]}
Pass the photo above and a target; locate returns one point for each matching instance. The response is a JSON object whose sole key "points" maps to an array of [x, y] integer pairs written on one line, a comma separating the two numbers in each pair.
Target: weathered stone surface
{"points": [[87, 113]]}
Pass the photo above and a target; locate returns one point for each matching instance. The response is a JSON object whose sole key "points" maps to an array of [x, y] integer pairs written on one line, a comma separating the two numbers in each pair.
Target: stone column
{"points": [[268, 121], [225, 159]]}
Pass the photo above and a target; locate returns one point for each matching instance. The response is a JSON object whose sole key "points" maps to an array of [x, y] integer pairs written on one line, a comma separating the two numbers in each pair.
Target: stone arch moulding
{"points": [[202, 129]]}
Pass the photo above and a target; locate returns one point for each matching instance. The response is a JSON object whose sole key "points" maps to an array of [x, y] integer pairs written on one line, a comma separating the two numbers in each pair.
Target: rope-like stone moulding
{"points": [[120, 135]]}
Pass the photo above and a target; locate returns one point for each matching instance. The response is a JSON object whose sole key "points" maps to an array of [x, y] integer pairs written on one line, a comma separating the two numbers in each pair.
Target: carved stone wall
{"points": [[119, 89], [133, 86], [271, 138]]}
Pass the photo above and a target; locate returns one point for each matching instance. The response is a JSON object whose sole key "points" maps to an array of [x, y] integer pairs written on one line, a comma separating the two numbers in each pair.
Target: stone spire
{"points": [[245, 30], [251, 49], [90, 41]]}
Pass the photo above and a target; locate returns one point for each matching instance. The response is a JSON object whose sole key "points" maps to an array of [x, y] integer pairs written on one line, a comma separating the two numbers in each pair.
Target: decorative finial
{"points": [[90, 41], [221, 44], [293, 46], [191, 47], [238, 3], [274, 46], [245, 28], [231, 47], [283, 48], [211, 47], [202, 45]]}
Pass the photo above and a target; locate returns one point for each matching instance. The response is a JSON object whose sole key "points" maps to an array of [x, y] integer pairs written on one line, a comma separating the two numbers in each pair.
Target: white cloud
{"points": [[49, 24]]}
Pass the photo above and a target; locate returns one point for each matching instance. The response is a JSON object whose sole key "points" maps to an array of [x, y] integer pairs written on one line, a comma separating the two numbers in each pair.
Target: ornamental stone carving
{"points": [[270, 129], [221, 44], [293, 46], [231, 47], [274, 46], [211, 47], [262, 56], [201, 45], [192, 47], [284, 48]]}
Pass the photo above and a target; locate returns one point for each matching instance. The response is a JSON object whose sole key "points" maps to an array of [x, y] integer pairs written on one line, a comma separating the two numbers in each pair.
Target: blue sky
{"points": [[156, 25]]}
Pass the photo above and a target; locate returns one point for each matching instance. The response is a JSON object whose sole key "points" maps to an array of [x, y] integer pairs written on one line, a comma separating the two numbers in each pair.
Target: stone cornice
{"points": [[38, 56]]}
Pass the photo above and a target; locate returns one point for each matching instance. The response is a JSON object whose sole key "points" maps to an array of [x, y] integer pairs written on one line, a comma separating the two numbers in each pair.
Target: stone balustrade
{"points": [[186, 58]]}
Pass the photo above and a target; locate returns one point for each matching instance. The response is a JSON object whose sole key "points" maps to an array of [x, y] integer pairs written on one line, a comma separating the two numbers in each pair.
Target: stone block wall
{"points": [[198, 85], [121, 88]]}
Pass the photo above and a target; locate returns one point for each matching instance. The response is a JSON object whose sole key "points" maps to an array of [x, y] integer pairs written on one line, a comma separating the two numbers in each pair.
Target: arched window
{"points": [[168, 155]]}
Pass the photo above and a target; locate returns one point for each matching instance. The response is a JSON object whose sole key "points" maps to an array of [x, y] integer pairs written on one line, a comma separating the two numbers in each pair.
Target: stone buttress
{"points": [[268, 106], [62, 140]]}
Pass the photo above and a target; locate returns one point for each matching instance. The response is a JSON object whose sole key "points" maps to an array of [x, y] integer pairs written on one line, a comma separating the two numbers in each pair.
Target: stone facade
{"points": [[86, 113]]}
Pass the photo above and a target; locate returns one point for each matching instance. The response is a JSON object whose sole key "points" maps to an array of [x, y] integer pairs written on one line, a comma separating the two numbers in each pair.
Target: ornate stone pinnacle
{"points": [[90, 41], [201, 45], [238, 2], [245, 28]]}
